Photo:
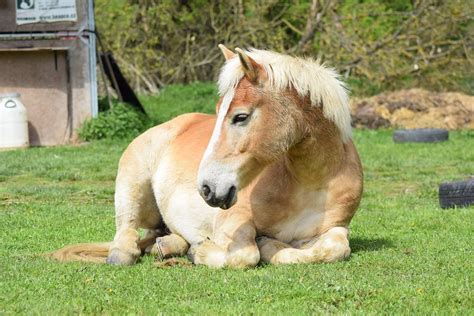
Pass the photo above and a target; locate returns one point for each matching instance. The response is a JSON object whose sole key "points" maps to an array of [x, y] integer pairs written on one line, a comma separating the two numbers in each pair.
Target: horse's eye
{"points": [[239, 118]]}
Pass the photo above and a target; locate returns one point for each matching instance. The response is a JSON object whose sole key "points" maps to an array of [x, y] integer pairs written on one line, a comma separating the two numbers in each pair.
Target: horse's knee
{"points": [[210, 254], [207, 253], [333, 246], [247, 257], [334, 252]]}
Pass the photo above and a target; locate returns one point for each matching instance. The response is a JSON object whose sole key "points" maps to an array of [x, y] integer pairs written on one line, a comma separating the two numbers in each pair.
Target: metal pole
{"points": [[92, 61]]}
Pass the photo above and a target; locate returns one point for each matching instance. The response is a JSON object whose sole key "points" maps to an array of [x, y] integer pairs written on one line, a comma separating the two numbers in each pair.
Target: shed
{"points": [[51, 63]]}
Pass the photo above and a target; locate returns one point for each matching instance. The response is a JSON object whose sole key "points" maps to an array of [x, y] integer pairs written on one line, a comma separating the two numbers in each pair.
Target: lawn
{"points": [[408, 254]]}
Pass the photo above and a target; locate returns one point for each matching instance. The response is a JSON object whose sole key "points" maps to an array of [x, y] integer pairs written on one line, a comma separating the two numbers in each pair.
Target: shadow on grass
{"points": [[369, 244]]}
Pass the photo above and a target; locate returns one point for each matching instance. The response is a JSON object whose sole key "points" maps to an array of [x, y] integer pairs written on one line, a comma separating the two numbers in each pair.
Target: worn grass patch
{"points": [[408, 254]]}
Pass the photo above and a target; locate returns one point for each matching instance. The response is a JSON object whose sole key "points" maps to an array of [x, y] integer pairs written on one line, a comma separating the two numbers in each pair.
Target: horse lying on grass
{"points": [[277, 160]]}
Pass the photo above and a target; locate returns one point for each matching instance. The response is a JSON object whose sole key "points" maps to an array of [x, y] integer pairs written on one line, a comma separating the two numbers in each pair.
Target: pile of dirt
{"points": [[414, 108]]}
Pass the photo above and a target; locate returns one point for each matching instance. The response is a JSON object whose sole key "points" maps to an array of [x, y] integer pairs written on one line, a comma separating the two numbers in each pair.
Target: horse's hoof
{"points": [[191, 253], [156, 251], [159, 250], [117, 257]]}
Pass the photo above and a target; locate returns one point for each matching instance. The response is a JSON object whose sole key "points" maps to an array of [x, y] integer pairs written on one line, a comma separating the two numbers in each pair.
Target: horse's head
{"points": [[254, 127]]}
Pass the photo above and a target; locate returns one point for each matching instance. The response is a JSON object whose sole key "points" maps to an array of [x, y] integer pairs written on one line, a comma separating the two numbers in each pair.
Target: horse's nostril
{"points": [[230, 197], [232, 192], [206, 190]]}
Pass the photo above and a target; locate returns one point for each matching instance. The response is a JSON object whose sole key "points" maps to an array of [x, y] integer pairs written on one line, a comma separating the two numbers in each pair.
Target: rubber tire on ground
{"points": [[460, 193], [420, 135]]}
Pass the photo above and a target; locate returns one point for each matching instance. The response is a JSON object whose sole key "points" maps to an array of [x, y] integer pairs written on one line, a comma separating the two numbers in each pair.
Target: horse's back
{"points": [[186, 132]]}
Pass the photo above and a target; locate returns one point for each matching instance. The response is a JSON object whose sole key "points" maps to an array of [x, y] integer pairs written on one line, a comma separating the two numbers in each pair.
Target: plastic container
{"points": [[13, 122]]}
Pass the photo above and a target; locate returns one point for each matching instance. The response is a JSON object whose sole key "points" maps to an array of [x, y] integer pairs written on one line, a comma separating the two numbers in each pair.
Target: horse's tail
{"points": [[94, 252]]}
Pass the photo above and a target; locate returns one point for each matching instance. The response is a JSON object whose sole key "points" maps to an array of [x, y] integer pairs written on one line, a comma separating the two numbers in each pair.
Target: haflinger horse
{"points": [[274, 177]]}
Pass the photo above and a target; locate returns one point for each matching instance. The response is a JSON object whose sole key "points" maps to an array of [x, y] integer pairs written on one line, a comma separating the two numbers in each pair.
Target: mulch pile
{"points": [[414, 108]]}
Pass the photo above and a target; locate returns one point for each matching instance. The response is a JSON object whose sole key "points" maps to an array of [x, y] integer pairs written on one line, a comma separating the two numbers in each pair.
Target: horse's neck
{"points": [[316, 158]]}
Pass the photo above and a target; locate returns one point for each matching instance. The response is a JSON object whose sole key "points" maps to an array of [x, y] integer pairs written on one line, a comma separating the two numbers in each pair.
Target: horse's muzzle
{"points": [[224, 201]]}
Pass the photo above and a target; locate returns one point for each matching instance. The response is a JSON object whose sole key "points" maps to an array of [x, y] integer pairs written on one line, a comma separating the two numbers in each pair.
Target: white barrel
{"points": [[13, 122]]}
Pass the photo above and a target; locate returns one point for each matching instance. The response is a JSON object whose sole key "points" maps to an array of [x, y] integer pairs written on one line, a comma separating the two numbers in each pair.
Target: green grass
{"points": [[176, 99], [408, 254]]}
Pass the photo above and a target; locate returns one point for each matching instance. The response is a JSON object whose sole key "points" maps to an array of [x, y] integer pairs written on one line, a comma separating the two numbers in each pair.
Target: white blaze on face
{"points": [[220, 177], [226, 101]]}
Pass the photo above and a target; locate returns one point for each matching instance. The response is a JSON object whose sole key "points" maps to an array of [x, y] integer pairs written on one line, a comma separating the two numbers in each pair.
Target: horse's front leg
{"points": [[331, 246], [172, 245], [233, 243]]}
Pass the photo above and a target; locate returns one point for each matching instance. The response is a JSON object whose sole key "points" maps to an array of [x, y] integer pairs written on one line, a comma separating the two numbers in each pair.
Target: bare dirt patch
{"points": [[414, 108]]}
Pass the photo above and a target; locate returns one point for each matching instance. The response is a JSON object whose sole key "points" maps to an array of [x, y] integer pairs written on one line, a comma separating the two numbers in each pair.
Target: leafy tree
{"points": [[376, 44]]}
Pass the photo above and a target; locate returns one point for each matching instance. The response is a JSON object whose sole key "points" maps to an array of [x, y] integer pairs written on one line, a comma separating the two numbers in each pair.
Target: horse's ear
{"points": [[251, 67], [228, 54]]}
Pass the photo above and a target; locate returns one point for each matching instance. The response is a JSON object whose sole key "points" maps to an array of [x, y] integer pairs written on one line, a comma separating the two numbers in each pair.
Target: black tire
{"points": [[420, 135], [459, 193]]}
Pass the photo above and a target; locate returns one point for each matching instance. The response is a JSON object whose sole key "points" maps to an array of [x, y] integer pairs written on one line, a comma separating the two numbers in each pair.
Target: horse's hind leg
{"points": [[135, 207], [331, 246]]}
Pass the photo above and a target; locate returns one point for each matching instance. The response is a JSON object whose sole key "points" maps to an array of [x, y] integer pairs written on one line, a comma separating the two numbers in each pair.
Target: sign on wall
{"points": [[34, 11]]}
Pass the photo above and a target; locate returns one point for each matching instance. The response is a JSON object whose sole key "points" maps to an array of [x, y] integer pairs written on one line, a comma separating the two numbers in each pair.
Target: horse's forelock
{"points": [[307, 76]]}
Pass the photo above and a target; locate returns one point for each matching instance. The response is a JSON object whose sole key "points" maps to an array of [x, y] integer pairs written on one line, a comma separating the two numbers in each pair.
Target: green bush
{"points": [[121, 121]]}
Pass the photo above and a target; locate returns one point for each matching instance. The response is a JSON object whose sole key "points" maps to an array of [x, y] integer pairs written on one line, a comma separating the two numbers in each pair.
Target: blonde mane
{"points": [[307, 76]]}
